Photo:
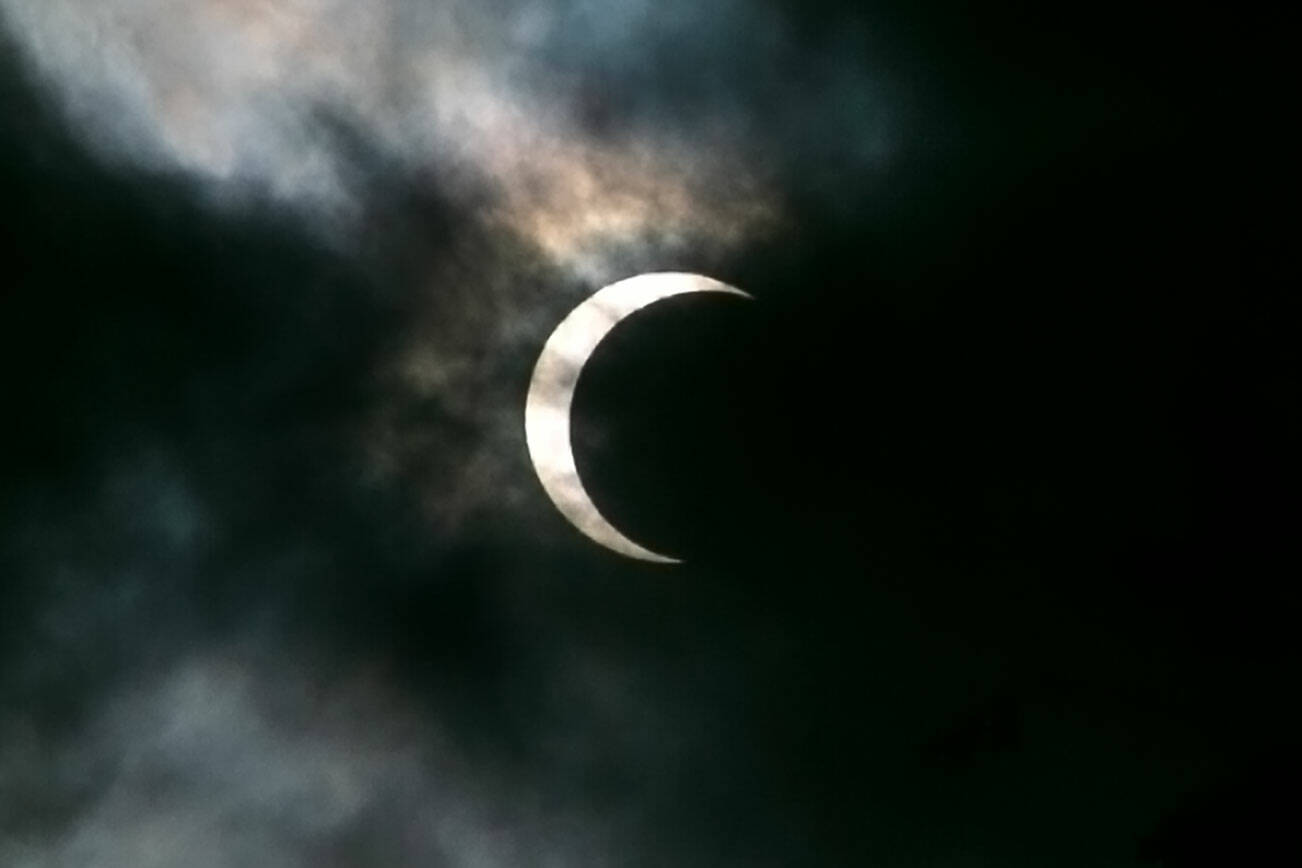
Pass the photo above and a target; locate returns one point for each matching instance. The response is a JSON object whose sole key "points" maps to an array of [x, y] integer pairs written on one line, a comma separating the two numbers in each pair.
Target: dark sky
{"points": [[987, 502]]}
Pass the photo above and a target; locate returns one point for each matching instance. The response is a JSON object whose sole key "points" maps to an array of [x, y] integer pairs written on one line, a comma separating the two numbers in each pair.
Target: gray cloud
{"points": [[277, 583], [134, 734], [177, 696], [503, 99], [227, 760], [570, 143]]}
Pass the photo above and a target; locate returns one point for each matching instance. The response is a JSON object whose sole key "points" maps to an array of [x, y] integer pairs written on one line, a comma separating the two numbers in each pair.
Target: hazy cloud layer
{"points": [[278, 585], [566, 144], [177, 697], [227, 760], [555, 118], [144, 738]]}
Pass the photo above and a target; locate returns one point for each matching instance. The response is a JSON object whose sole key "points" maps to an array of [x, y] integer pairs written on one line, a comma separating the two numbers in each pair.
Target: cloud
{"points": [[452, 717], [209, 663], [225, 759], [565, 144], [506, 103]]}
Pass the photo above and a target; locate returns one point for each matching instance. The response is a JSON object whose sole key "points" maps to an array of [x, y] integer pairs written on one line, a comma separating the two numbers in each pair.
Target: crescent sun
{"points": [[551, 392]]}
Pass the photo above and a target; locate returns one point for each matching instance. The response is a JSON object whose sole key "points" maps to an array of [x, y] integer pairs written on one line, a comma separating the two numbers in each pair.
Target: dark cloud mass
{"points": [[983, 500]]}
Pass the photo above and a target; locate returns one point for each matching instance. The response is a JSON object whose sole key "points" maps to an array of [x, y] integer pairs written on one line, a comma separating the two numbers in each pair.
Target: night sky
{"points": [[988, 501]]}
